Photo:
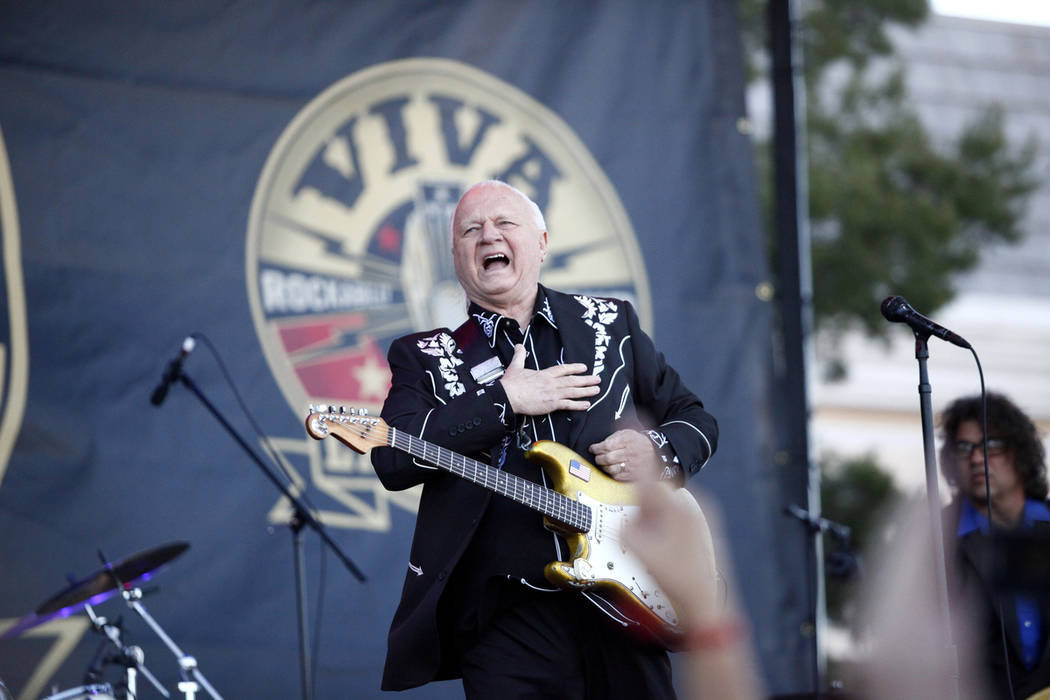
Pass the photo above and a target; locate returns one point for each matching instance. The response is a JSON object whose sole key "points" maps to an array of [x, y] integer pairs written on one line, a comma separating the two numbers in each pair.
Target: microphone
{"points": [[172, 372], [898, 310]]}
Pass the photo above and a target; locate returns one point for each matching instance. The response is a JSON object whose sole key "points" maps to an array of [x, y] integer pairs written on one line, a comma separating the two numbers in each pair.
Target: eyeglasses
{"points": [[996, 447]]}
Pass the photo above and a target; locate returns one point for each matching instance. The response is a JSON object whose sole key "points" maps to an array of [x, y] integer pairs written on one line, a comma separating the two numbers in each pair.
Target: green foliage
{"points": [[852, 30], [891, 211]]}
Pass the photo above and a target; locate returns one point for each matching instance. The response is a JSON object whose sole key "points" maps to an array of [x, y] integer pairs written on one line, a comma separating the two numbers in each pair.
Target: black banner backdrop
{"points": [[276, 176]]}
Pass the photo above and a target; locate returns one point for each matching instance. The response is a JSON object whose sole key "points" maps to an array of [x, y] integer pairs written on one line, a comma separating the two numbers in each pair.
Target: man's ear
{"points": [[543, 246]]}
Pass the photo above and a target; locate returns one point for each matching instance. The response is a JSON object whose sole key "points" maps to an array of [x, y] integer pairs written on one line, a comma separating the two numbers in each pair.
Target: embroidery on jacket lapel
{"points": [[488, 325], [441, 346], [546, 311], [612, 380], [598, 313]]}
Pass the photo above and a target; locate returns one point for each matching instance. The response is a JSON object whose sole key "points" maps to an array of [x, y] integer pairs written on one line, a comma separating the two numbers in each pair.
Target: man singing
{"points": [[529, 364]]}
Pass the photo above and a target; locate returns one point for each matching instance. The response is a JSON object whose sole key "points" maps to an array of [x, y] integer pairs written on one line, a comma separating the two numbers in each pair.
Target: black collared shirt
{"points": [[543, 348], [510, 544]]}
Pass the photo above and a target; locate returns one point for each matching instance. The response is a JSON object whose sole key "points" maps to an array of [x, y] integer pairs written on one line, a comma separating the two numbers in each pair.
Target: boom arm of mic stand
{"points": [[302, 516], [302, 513]]}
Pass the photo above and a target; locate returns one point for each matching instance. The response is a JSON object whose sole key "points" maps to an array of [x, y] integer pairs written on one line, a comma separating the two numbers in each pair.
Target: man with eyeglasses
{"points": [[1014, 613]]}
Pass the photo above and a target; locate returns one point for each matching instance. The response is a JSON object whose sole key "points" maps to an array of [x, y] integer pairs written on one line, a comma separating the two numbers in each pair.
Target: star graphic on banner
{"points": [[389, 239], [66, 632], [340, 484], [373, 379]]}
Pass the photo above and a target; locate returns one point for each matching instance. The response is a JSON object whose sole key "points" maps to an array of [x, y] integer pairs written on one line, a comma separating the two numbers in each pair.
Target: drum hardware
{"points": [[95, 691], [104, 583], [99, 586], [131, 658], [190, 674], [123, 577]]}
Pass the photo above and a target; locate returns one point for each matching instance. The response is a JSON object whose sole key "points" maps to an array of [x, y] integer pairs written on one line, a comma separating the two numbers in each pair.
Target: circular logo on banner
{"points": [[14, 335], [348, 241]]}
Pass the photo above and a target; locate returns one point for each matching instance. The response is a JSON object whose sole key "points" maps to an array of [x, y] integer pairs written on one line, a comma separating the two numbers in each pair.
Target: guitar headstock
{"points": [[351, 426]]}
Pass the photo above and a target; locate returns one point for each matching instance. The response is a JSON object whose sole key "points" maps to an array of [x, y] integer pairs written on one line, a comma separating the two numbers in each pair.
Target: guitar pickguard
{"points": [[608, 570]]}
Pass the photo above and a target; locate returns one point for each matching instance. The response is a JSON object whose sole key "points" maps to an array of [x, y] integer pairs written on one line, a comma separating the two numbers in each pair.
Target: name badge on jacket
{"points": [[488, 371]]}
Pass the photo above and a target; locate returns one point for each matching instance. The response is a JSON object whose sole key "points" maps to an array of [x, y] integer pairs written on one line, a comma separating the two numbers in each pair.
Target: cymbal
{"points": [[105, 581], [100, 586]]}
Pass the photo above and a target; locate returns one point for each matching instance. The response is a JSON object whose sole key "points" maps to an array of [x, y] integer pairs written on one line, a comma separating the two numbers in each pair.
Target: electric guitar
{"points": [[587, 507]]}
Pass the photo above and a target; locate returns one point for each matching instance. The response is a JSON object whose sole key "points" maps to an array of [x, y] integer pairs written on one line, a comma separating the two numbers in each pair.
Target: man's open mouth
{"points": [[496, 259]]}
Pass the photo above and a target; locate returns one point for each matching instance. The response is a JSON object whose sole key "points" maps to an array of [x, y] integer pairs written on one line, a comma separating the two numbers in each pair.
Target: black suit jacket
{"points": [[976, 558], [435, 395]]}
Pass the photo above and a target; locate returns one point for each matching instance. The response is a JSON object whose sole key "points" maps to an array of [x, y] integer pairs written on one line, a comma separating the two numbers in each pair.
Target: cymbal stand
{"points": [[131, 657], [187, 664]]}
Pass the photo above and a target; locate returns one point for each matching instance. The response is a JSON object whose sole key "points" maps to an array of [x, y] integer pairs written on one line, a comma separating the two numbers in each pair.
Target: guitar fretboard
{"points": [[549, 502]]}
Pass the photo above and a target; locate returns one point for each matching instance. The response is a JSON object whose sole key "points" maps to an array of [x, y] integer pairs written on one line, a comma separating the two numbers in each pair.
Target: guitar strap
{"points": [[484, 366]]}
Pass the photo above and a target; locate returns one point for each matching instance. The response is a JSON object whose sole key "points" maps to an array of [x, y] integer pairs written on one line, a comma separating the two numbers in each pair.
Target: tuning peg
{"points": [[364, 411], [311, 410], [342, 410], [331, 408]]}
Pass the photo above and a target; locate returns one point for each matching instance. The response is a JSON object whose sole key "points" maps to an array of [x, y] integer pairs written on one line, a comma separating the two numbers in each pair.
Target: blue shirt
{"points": [[1030, 623]]}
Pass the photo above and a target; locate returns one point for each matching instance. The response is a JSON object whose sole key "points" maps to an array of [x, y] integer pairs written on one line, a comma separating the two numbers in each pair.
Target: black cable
{"points": [[991, 523], [292, 486], [268, 446]]}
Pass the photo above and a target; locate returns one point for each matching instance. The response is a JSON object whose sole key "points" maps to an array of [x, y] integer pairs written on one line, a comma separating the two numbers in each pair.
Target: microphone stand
{"points": [[301, 517], [922, 354]]}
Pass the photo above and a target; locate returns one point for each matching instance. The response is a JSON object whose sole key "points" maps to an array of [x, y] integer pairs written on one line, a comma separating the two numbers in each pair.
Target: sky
{"points": [[1019, 11]]}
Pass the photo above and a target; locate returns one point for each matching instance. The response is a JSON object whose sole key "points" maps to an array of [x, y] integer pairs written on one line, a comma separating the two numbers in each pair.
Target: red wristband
{"points": [[713, 637]]}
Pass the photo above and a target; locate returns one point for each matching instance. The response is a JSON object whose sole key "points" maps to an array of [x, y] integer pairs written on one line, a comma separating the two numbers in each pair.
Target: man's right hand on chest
{"points": [[539, 392]]}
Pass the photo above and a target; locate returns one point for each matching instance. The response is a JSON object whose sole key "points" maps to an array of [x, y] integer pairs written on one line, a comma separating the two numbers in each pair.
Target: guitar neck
{"points": [[549, 502]]}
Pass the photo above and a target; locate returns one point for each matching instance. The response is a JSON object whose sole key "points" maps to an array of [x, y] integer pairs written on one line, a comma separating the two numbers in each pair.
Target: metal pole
{"points": [[300, 601], [799, 477], [933, 501]]}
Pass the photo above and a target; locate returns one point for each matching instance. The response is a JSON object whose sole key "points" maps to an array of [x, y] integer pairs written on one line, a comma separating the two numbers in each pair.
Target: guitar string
{"points": [[554, 504], [382, 434], [566, 509]]}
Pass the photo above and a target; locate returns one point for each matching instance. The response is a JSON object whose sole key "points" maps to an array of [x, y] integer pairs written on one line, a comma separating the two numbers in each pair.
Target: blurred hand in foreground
{"points": [[672, 537]]}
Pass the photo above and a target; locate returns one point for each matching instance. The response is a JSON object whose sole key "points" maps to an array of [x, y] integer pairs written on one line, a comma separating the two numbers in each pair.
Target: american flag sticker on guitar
{"points": [[580, 471]]}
